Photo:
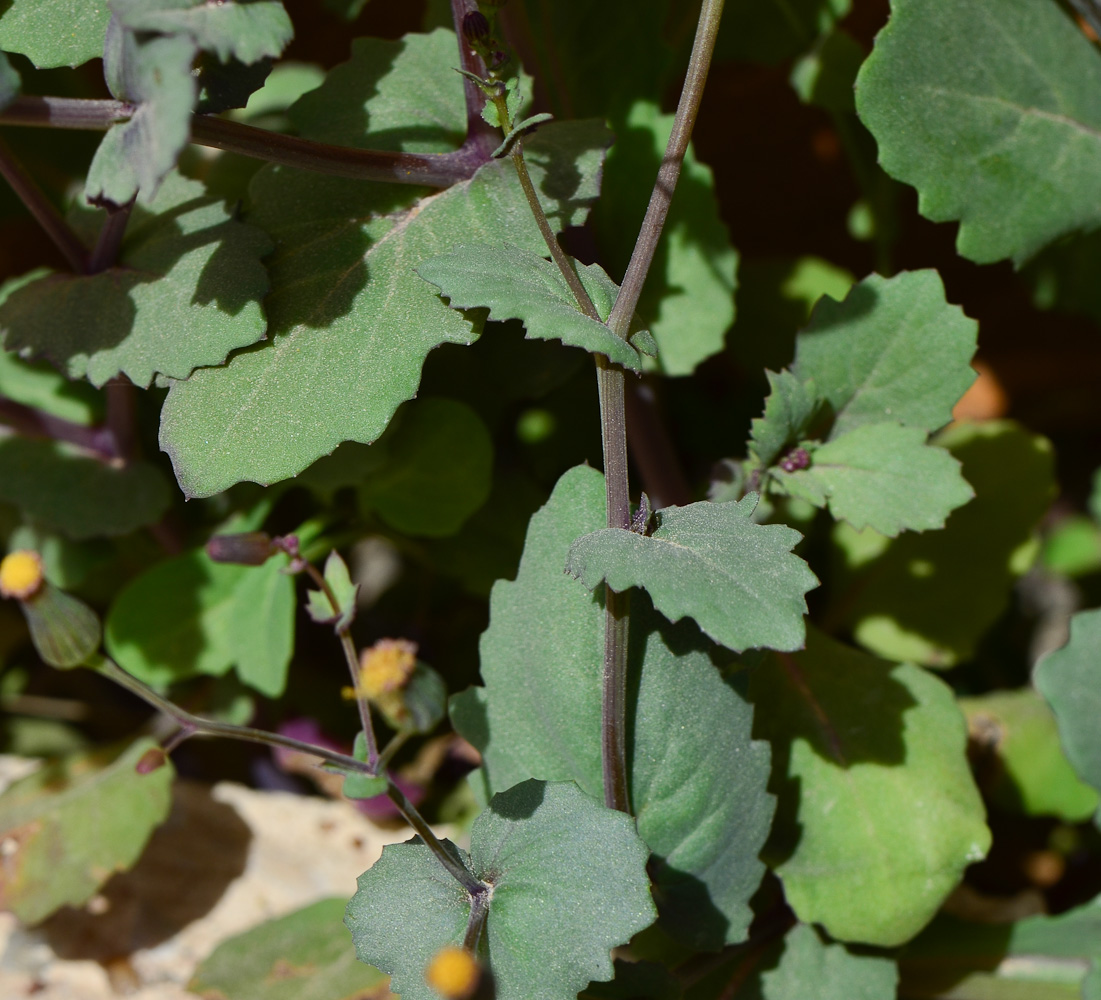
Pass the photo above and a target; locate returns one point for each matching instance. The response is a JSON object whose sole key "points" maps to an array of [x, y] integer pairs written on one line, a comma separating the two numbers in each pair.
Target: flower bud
{"points": [[453, 973], [252, 548], [21, 574], [65, 631], [475, 27]]}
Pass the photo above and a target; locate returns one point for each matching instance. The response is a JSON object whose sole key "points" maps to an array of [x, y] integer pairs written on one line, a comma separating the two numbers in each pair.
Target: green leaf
{"points": [[769, 31], [1006, 136], [10, 82], [790, 408], [186, 292], [434, 469], [739, 580], [64, 630], [1067, 678], [41, 478], [74, 823], [692, 763], [881, 476], [688, 300], [362, 786], [245, 31], [1030, 774], [390, 95], [1038, 958], [189, 615], [41, 386], [135, 156], [347, 9], [519, 284], [305, 955], [808, 967], [825, 76], [893, 350], [55, 32], [930, 598], [352, 320], [345, 592], [569, 883], [878, 812]]}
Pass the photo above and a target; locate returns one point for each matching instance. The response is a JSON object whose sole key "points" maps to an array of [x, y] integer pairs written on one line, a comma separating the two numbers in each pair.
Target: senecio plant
{"points": [[344, 290]]}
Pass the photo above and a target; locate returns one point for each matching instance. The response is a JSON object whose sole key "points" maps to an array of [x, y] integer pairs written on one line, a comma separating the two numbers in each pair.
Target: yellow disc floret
{"points": [[453, 973], [21, 574], [387, 666]]}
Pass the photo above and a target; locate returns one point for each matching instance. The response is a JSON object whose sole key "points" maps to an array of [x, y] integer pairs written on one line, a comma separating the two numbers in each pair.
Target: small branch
{"points": [[351, 657], [475, 923], [613, 702], [195, 725], [643, 256], [437, 170], [66, 112], [34, 423], [48, 217], [122, 417], [109, 241]]}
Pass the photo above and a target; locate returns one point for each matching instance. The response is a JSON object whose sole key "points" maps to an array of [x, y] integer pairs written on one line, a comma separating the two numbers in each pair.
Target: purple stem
{"points": [[110, 238], [35, 424]]}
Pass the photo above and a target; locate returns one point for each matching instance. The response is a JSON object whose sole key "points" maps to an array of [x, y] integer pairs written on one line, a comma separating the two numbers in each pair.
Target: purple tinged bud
{"points": [[794, 460], [475, 27], [253, 548], [151, 760]]}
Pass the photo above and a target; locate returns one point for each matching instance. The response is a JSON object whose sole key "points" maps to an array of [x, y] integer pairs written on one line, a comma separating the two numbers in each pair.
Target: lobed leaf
{"points": [[737, 579], [693, 765], [1067, 678], [930, 598], [136, 155], [352, 321], [569, 883], [55, 32], [881, 476], [519, 284], [41, 478], [73, 823], [189, 616], [185, 292], [878, 812], [809, 967], [791, 406], [304, 955], [893, 350], [1004, 137], [244, 31]]}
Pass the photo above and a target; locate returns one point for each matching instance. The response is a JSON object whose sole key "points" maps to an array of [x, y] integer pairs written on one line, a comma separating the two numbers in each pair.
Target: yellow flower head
{"points": [[387, 666], [453, 973], [21, 575]]}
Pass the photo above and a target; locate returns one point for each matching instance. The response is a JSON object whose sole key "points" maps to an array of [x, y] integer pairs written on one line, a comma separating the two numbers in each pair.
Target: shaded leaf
{"points": [[74, 823], [770, 31], [1006, 136], [1067, 678], [41, 478], [186, 291], [41, 386], [825, 76], [10, 83], [739, 580], [809, 967], [55, 32], [136, 155], [518, 284], [189, 615], [789, 409], [930, 598], [692, 763], [878, 812], [687, 302], [883, 477], [569, 883], [893, 350], [352, 320], [64, 630], [245, 31], [433, 470], [1032, 774], [304, 955]]}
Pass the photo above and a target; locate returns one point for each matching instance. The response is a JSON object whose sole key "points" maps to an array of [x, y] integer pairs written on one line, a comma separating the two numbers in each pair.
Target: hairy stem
{"points": [[195, 725], [351, 657], [43, 210]]}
